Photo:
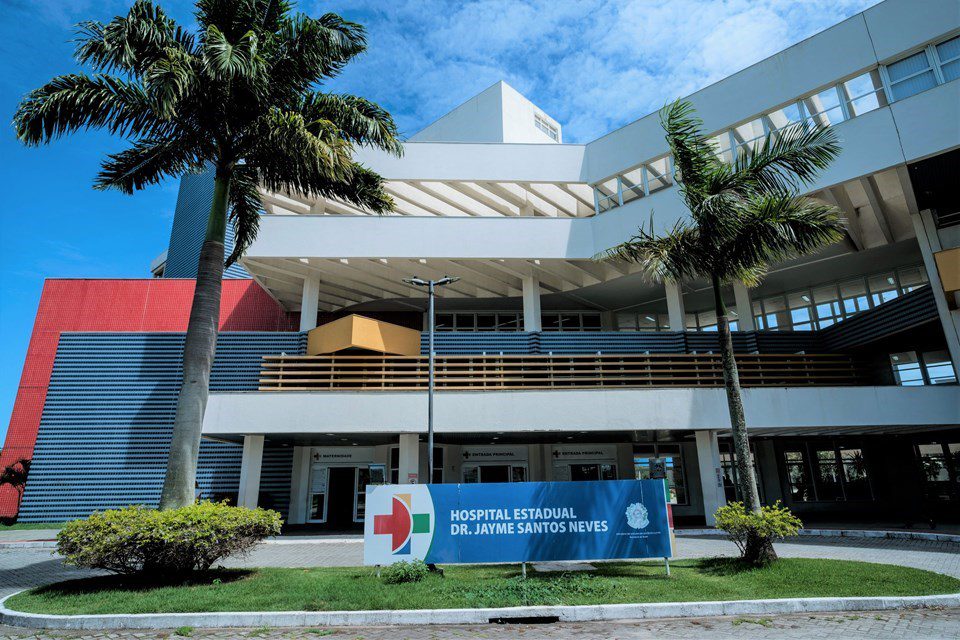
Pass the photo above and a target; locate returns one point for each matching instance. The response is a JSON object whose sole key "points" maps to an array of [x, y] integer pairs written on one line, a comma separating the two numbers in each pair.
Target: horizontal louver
{"points": [[107, 420]]}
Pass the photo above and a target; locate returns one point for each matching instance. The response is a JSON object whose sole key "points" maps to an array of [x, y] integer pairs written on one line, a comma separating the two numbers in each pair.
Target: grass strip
{"points": [[358, 588]]}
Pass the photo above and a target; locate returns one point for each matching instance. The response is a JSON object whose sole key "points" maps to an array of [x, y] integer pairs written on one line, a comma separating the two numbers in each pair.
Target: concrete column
{"points": [[310, 303], [929, 241], [250, 465], [409, 458], [744, 306], [608, 321], [711, 474], [299, 478], [675, 310], [531, 303]]}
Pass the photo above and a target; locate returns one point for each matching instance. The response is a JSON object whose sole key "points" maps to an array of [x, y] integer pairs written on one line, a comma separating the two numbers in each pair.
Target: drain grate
{"points": [[526, 620]]}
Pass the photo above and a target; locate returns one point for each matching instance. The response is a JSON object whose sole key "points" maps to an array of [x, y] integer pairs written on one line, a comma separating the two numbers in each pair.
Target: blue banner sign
{"points": [[516, 522]]}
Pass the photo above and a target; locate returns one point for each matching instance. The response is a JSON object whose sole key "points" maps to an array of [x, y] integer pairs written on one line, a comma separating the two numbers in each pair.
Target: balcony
{"points": [[540, 372]]}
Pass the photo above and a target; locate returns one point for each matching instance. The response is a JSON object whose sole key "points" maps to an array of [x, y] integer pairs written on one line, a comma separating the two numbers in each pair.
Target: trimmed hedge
{"points": [[137, 539]]}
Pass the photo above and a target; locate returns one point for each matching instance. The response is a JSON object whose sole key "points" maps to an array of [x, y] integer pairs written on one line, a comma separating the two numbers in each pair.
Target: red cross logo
{"points": [[401, 523]]}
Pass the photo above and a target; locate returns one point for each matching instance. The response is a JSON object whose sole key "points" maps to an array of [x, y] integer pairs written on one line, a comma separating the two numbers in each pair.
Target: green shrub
{"points": [[754, 533], [401, 572], [178, 541]]}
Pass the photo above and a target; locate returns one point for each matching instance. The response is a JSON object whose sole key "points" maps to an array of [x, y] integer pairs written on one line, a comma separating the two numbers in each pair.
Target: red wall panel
{"points": [[155, 304]]}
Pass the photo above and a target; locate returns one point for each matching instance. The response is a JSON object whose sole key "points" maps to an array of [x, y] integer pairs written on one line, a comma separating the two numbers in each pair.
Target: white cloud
{"points": [[594, 65]]}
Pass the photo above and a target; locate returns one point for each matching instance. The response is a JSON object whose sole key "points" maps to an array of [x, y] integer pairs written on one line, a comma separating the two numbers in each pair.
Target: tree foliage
{"points": [[743, 216], [15, 475], [242, 95]]}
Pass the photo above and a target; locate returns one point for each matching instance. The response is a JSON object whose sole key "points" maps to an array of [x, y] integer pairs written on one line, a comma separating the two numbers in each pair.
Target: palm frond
{"points": [[130, 43], [778, 226], [169, 80], [676, 255], [149, 161], [310, 50], [692, 154], [227, 61], [245, 207], [358, 119], [72, 102], [787, 159]]}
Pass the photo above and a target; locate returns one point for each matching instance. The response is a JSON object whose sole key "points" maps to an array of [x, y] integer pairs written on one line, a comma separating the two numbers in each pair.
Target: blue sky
{"points": [[593, 65]]}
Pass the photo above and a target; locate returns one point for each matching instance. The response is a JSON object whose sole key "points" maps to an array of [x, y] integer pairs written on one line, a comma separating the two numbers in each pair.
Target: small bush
{"points": [[401, 572], [177, 541], [754, 533]]}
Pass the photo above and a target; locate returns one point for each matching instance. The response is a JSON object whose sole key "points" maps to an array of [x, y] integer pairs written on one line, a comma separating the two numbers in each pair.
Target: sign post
{"points": [[517, 522]]}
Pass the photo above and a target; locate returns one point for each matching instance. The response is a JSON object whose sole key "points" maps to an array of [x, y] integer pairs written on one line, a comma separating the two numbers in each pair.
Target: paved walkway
{"points": [[884, 625], [23, 568]]}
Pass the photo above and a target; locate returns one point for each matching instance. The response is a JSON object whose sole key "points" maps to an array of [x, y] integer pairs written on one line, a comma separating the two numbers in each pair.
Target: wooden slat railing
{"points": [[494, 372]]}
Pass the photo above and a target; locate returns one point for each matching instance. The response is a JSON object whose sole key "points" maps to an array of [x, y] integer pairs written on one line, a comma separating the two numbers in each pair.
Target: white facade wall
{"points": [[499, 113], [597, 410]]}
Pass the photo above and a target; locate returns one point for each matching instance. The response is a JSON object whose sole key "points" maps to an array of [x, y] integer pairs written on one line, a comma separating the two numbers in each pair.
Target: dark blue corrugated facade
{"points": [[189, 227], [107, 421]]}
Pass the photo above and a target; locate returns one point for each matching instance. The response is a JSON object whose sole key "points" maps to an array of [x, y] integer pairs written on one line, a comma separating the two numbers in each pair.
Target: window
{"points": [[830, 303], [863, 93], [641, 321], [839, 473], [437, 475], [541, 123], [883, 288], [911, 76], [394, 465], [911, 369], [785, 117], [480, 321], [826, 302], [671, 458], [948, 54], [571, 321], [911, 278], [731, 483], [827, 475], [799, 487], [631, 185], [723, 145], [940, 469], [938, 367], [658, 174], [854, 468], [750, 135], [853, 293], [906, 369], [824, 108]]}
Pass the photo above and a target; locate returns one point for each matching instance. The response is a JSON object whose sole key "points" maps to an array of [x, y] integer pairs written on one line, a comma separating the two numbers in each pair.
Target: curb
{"points": [[843, 533], [821, 533], [29, 544], [581, 613]]}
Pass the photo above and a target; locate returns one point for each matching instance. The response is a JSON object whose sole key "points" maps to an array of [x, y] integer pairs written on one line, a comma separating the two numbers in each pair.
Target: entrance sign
{"points": [[516, 522]]}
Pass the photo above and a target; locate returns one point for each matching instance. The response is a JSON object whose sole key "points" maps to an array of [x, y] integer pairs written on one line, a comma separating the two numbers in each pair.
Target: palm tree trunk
{"points": [[198, 352], [738, 422], [758, 550]]}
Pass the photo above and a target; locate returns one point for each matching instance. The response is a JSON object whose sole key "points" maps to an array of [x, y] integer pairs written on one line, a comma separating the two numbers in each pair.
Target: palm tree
{"points": [[744, 216], [242, 98]]}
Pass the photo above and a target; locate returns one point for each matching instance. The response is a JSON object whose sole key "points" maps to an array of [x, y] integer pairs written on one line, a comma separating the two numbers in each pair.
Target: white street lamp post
{"points": [[430, 285]]}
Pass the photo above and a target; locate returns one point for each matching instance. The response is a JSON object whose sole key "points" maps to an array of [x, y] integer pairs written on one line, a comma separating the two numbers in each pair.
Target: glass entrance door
{"points": [[337, 495], [494, 473], [593, 471]]}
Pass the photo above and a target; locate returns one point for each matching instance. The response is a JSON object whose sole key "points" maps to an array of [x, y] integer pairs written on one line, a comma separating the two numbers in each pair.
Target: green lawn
{"points": [[26, 526], [330, 589]]}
